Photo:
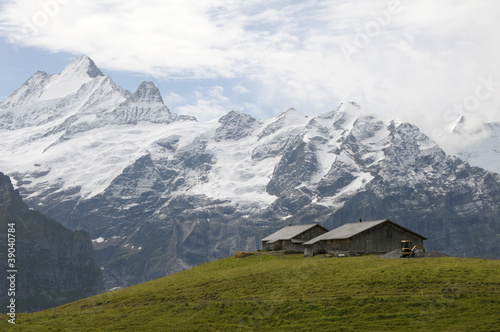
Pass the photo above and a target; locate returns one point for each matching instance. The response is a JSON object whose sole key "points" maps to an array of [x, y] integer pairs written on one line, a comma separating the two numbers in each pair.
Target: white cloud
{"points": [[240, 89], [413, 59], [208, 104], [173, 98]]}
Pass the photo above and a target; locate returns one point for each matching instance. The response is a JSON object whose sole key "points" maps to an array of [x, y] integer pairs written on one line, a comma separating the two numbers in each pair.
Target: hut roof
{"points": [[289, 232], [347, 231]]}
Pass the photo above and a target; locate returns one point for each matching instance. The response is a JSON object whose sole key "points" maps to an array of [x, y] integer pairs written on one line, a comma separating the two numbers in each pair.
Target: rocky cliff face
{"points": [[54, 265], [159, 193]]}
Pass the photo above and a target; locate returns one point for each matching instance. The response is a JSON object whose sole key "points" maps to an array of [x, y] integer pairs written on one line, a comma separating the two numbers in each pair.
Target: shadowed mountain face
{"points": [[54, 265], [160, 192]]}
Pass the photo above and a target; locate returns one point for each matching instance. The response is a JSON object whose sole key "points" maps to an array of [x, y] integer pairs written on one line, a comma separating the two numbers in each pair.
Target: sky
{"points": [[423, 61]]}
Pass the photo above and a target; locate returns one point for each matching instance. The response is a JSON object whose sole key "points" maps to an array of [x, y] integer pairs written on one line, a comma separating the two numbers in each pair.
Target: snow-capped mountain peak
{"points": [[82, 66], [43, 87], [456, 126], [60, 118], [291, 112], [29, 92], [80, 71], [147, 92]]}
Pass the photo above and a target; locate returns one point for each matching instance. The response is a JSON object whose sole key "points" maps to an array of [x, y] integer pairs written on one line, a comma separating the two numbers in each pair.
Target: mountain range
{"points": [[160, 192]]}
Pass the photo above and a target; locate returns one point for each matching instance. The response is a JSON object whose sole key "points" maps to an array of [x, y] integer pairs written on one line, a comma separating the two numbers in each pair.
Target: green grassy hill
{"points": [[292, 293]]}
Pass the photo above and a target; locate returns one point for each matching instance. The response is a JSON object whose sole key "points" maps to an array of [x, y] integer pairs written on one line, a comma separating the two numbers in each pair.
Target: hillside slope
{"points": [[289, 292], [54, 264]]}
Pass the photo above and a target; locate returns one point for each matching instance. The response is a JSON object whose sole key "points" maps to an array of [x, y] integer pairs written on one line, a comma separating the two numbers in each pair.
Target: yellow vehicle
{"points": [[407, 250]]}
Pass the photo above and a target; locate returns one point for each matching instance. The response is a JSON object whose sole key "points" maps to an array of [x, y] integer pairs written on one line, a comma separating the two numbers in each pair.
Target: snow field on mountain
{"points": [[63, 85], [236, 175], [90, 160]]}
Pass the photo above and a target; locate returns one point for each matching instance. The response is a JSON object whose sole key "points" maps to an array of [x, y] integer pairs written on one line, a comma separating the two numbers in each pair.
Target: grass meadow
{"points": [[290, 292]]}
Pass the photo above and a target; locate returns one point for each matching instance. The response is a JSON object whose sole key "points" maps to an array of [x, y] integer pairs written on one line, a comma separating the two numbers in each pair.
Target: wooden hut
{"points": [[291, 238], [379, 236]]}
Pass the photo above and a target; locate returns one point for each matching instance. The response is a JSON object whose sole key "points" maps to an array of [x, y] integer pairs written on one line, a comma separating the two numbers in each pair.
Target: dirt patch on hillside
{"points": [[243, 254], [396, 253]]}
